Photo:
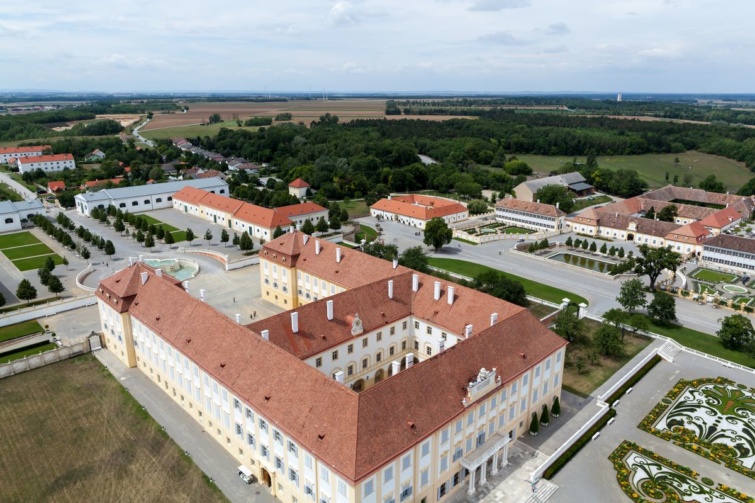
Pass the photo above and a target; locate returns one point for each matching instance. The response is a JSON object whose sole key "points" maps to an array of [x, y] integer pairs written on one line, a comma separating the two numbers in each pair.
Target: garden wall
{"points": [[46, 358], [49, 309]]}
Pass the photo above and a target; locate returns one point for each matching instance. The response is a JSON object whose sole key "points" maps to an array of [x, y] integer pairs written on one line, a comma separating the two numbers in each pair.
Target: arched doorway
{"points": [[358, 385], [379, 375], [630, 237], [403, 363], [390, 370], [266, 479]]}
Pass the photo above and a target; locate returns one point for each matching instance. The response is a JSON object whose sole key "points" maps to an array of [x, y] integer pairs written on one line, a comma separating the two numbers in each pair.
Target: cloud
{"points": [[558, 29], [352, 68], [124, 62], [9, 31], [342, 14], [496, 5], [555, 50], [501, 38]]}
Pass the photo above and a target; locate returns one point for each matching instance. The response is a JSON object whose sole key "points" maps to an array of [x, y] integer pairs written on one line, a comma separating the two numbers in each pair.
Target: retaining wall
{"points": [[46, 358], [49, 309]]}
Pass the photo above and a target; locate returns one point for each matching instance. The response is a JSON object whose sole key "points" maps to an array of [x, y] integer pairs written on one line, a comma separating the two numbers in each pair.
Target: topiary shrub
{"points": [[544, 418], [534, 425], [556, 409]]}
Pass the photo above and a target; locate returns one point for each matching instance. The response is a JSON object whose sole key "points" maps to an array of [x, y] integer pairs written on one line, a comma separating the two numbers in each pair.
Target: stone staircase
{"points": [[669, 350], [544, 490]]}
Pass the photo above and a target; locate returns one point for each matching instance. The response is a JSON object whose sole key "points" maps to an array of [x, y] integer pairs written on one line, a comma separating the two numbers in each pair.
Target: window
{"points": [[364, 363], [318, 362], [535, 396], [264, 452], [444, 463], [324, 474], [293, 449], [293, 476], [513, 389], [379, 336], [558, 357], [416, 345], [369, 487], [537, 371], [388, 475], [403, 326], [278, 437], [425, 449], [512, 412], [406, 462], [494, 402], [365, 342], [424, 478], [122, 205], [482, 409], [334, 355], [146, 201], [250, 439], [249, 414], [547, 365], [393, 330], [416, 325], [379, 356], [444, 336], [470, 419], [403, 345], [429, 350], [308, 461], [159, 200], [445, 435], [391, 350], [459, 425], [341, 487], [458, 452], [134, 203], [429, 330], [523, 405], [237, 404], [263, 425], [406, 492], [350, 348], [350, 370], [468, 447], [239, 431], [503, 395], [279, 464], [525, 380]]}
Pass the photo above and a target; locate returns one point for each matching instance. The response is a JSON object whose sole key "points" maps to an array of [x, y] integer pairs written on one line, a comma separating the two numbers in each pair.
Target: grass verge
{"points": [[539, 290], [19, 330], [27, 351], [465, 241], [366, 232], [18, 239], [27, 251]]}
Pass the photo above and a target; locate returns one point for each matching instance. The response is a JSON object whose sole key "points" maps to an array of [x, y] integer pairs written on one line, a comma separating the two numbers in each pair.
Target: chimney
{"points": [[493, 319], [467, 331], [395, 367], [144, 276], [441, 346], [409, 360], [415, 282], [450, 295], [186, 286], [130, 261], [557, 203], [295, 322], [238, 318], [317, 247], [265, 334], [389, 197], [390, 288], [201, 294], [395, 261], [141, 258], [329, 305], [305, 237], [159, 273], [338, 376], [538, 201], [338, 255], [436, 292]]}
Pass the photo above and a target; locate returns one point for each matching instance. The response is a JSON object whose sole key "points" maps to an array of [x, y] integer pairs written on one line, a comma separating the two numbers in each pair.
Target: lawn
{"points": [[27, 251], [72, 433], [517, 230], [586, 203], [705, 289], [540, 310], [702, 342], [28, 351], [192, 130], [653, 167], [366, 232], [19, 330], [178, 235], [597, 371], [17, 239], [713, 276], [533, 288], [356, 207], [27, 264]]}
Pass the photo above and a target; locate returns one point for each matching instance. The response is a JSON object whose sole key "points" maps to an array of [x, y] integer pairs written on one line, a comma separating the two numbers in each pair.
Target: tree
{"points": [[208, 236], [534, 425], [160, 233], [556, 195], [224, 237], [593, 247], [604, 249], [55, 285], [568, 325], [307, 227], [119, 226], [235, 241], [711, 184], [65, 262], [335, 223], [149, 241], [140, 236], [668, 213], [569, 242], [577, 243], [621, 252], [344, 215], [26, 291], [437, 233], [44, 275], [662, 309], [556, 409], [215, 118], [544, 417], [638, 322], [736, 332], [49, 264], [608, 341], [278, 232], [654, 260], [650, 214], [84, 252], [747, 189], [632, 295], [585, 245], [381, 250], [169, 239], [612, 251], [322, 225], [477, 207], [246, 243], [496, 284], [109, 248], [415, 258], [190, 236], [617, 318]]}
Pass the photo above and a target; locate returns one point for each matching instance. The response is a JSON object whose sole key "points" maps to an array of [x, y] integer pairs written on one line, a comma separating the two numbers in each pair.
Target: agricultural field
{"points": [[72, 433], [192, 130], [653, 167]]}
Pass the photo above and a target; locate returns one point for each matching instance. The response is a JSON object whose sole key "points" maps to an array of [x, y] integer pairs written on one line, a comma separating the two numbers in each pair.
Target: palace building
{"points": [[385, 385]]}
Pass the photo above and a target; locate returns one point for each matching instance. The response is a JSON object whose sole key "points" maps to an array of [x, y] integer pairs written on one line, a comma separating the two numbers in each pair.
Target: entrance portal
{"points": [[266, 478]]}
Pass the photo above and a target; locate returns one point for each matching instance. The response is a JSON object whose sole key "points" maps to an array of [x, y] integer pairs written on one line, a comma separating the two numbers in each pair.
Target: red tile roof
{"points": [[220, 203], [46, 158], [262, 217], [190, 195], [56, 186], [419, 206], [530, 207], [24, 150], [298, 210], [299, 184], [722, 218], [97, 183], [353, 433], [692, 233]]}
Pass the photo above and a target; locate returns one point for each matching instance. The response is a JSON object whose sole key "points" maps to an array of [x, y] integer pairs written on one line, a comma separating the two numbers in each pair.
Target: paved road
{"points": [[139, 137], [23, 191], [600, 289]]}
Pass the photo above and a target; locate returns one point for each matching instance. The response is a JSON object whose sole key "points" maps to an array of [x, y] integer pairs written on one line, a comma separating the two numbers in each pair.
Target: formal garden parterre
{"points": [[26, 252], [712, 417]]}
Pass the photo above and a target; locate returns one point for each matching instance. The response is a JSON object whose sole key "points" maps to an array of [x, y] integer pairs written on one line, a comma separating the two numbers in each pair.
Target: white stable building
{"points": [[47, 163], [12, 213], [8, 153], [140, 198], [529, 215], [731, 253]]}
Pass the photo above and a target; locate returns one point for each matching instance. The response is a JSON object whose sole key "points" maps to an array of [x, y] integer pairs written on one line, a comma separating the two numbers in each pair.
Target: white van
{"points": [[245, 474]]}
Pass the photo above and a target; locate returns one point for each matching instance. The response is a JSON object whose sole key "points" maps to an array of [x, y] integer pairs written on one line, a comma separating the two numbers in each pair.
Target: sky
{"points": [[659, 46]]}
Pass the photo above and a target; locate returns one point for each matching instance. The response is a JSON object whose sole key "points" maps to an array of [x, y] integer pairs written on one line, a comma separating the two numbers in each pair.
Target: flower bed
{"points": [[645, 476], [712, 417]]}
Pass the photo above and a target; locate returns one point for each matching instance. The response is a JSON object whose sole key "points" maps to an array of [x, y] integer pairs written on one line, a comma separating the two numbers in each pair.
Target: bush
{"points": [[574, 449], [556, 409], [544, 417], [534, 425], [633, 380]]}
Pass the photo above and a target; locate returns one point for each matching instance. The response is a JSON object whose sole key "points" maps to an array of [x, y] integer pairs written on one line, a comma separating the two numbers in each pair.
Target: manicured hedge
{"points": [[574, 449], [634, 379]]}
